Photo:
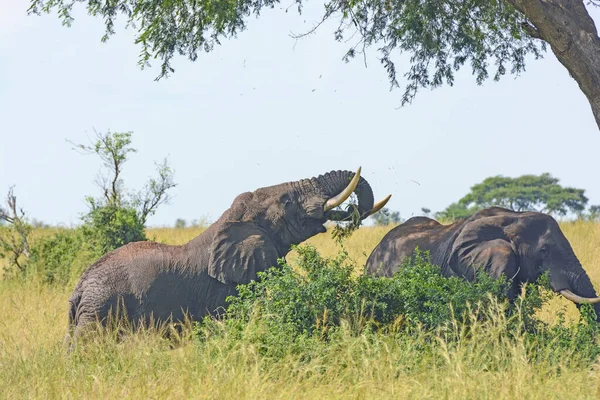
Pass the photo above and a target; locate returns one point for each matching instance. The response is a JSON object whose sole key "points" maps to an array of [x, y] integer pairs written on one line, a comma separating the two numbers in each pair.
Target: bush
{"points": [[108, 227], [304, 311], [60, 258]]}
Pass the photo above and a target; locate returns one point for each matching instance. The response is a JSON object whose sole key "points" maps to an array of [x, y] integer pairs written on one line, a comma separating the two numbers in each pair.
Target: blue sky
{"points": [[264, 109]]}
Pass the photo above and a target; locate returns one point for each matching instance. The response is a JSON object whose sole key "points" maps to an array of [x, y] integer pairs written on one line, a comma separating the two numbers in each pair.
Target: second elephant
{"points": [[520, 245]]}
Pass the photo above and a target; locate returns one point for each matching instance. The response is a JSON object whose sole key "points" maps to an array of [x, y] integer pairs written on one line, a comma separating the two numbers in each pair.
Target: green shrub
{"points": [[60, 258], [305, 311], [324, 291], [108, 227]]}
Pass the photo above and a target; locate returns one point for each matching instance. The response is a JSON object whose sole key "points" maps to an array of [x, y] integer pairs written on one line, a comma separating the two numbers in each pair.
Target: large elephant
{"points": [[521, 245], [150, 281]]}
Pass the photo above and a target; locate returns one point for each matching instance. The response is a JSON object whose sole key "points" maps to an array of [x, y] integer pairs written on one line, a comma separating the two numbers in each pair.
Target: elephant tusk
{"points": [[378, 206], [340, 198], [578, 299]]}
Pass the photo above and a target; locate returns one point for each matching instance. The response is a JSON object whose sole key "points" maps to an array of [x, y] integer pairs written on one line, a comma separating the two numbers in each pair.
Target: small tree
{"points": [[14, 239], [426, 211], [387, 217], [117, 218], [180, 223]]}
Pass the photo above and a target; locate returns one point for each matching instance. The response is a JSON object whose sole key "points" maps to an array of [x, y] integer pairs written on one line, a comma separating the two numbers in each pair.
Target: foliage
{"points": [[113, 220], [14, 238], [456, 211], [116, 218], [441, 37], [180, 223], [114, 148], [155, 192], [60, 258], [303, 312], [108, 227], [324, 291], [226, 362], [526, 193], [387, 217], [593, 213]]}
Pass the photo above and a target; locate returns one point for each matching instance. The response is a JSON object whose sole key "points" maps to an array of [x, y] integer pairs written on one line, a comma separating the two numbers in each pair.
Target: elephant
{"points": [[152, 282], [520, 245]]}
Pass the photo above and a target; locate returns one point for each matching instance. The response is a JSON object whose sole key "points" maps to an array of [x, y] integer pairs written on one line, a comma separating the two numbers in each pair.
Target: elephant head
{"points": [[260, 226], [522, 245]]}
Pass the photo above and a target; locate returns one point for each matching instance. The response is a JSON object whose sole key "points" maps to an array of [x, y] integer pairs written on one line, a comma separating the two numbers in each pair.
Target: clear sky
{"points": [[264, 109]]}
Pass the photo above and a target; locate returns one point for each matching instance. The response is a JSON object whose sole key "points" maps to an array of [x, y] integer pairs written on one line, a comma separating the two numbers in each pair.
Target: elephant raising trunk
{"points": [[520, 245], [158, 282]]}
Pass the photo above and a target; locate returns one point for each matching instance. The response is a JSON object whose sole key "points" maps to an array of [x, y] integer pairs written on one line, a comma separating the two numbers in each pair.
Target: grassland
{"points": [[33, 363]]}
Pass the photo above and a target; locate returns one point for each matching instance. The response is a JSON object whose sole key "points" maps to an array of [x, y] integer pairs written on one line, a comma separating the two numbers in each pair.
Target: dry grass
{"points": [[33, 363]]}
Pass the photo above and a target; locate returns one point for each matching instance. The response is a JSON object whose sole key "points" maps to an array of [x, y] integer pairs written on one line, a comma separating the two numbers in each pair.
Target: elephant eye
{"points": [[544, 251]]}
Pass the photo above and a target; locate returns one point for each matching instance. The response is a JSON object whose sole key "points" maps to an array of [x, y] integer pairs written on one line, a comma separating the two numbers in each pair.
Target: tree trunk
{"points": [[571, 33]]}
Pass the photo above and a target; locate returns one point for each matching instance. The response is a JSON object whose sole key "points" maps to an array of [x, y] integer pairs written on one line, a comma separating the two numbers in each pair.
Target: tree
{"points": [[113, 149], [593, 213], [441, 36], [526, 193], [455, 211], [387, 217], [14, 239], [117, 217]]}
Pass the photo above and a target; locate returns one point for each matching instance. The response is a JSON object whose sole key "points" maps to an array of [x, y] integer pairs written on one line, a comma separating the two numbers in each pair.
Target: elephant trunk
{"points": [[575, 285], [335, 182]]}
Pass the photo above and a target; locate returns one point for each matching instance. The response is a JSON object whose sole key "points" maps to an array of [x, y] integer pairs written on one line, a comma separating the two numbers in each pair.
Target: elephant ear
{"points": [[239, 250], [484, 243]]}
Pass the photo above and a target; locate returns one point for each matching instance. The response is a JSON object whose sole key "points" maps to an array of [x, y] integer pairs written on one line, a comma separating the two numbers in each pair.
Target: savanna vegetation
{"points": [[316, 329], [315, 326]]}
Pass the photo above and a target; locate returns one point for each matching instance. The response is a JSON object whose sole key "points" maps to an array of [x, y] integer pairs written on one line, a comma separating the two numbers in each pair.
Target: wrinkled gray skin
{"points": [[522, 245], [166, 281]]}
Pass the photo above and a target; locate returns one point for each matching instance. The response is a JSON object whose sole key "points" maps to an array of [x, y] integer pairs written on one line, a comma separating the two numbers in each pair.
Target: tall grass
{"points": [[34, 363]]}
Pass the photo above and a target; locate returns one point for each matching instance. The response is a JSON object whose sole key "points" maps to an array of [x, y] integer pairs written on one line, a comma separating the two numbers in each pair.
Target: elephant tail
{"points": [[74, 301], [73, 306]]}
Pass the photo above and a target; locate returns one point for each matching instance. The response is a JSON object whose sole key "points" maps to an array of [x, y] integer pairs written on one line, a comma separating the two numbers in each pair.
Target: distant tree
{"points": [[455, 211], [440, 37], [526, 193], [387, 217], [426, 211], [594, 212], [180, 223]]}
